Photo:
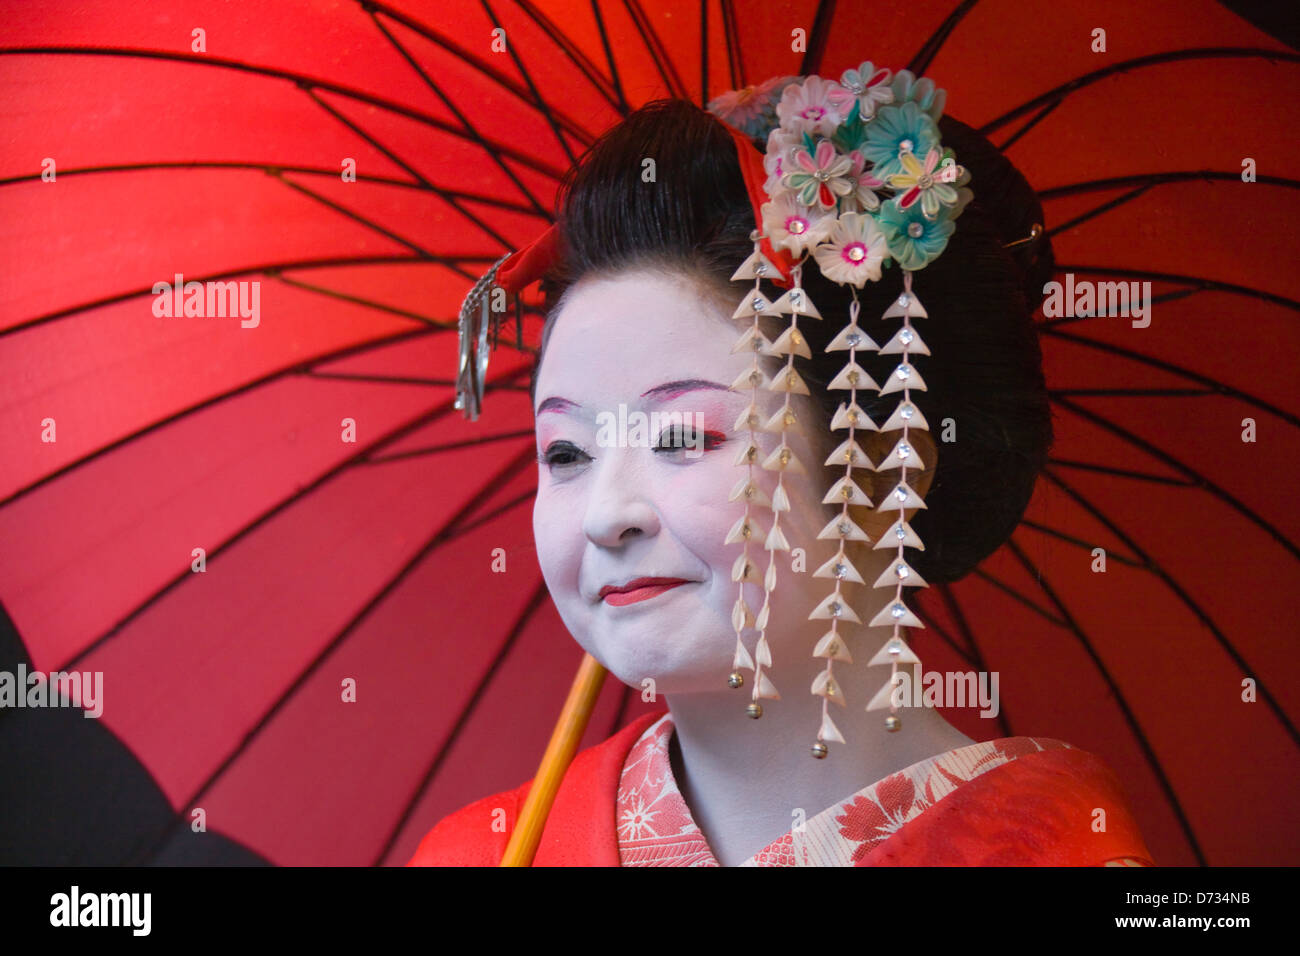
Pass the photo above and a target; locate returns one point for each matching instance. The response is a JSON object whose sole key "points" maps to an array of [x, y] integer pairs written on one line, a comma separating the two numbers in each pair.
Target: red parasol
{"points": [[357, 532]]}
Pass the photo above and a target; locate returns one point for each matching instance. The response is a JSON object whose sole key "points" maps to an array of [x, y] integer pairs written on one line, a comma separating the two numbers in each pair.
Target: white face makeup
{"points": [[606, 514]]}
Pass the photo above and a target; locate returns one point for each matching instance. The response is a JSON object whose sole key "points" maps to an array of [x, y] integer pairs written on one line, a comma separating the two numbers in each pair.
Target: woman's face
{"points": [[612, 507]]}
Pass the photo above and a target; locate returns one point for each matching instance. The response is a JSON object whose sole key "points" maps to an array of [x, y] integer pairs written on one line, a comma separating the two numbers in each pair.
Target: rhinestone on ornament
{"points": [[905, 146], [906, 336], [820, 750], [856, 253], [898, 610], [904, 372], [892, 723], [915, 230], [754, 710], [840, 569], [735, 679], [835, 608]]}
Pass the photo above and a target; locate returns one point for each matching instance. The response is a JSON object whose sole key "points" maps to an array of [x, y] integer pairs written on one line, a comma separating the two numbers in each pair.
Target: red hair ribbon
{"points": [[530, 263]]}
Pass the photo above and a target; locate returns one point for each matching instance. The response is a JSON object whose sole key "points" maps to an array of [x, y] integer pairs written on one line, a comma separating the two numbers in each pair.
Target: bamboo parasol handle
{"points": [[559, 753]]}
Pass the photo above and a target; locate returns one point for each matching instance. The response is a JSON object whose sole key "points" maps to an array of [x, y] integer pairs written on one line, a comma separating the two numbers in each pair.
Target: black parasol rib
{"points": [[1129, 66], [461, 117], [1016, 595], [963, 624], [1142, 183], [452, 263], [1221, 493], [623, 106], [817, 37], [359, 456], [1144, 359], [301, 80], [1033, 121], [735, 57], [930, 48], [654, 46], [416, 174], [442, 536], [1079, 542], [1119, 472], [1130, 718], [613, 96], [538, 600], [1154, 567], [486, 199], [539, 101], [467, 56], [704, 54]]}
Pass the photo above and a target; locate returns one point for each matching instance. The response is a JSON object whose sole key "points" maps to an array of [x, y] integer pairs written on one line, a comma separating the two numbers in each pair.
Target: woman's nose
{"points": [[621, 504]]}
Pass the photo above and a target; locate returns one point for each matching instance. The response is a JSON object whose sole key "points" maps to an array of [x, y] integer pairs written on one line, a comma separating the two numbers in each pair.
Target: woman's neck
{"points": [[748, 781]]}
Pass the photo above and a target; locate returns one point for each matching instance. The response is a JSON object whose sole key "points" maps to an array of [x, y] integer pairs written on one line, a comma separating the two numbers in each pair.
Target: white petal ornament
{"points": [[852, 416], [834, 607], [825, 685], [790, 341], [796, 301], [757, 266], [832, 647], [905, 339], [900, 572], [839, 567], [894, 651], [896, 612], [829, 731]]}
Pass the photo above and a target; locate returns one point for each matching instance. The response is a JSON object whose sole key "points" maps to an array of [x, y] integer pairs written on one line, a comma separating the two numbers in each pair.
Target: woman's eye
{"points": [[688, 437], [560, 454]]}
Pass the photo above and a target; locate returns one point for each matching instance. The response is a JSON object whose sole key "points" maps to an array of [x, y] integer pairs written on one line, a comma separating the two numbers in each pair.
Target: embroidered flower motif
{"points": [[864, 183], [868, 823], [908, 89], [866, 86], [752, 109], [898, 129], [922, 181], [806, 107], [854, 250], [636, 822], [821, 178], [791, 225], [913, 239]]}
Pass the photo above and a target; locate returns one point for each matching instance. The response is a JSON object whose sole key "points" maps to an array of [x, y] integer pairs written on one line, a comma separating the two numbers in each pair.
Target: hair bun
{"points": [[1010, 203]]}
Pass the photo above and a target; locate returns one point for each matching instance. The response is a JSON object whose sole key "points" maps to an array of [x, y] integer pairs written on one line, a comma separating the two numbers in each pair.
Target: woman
{"points": [[637, 535]]}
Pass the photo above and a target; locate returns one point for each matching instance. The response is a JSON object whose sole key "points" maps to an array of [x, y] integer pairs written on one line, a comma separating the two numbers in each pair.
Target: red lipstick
{"points": [[638, 589]]}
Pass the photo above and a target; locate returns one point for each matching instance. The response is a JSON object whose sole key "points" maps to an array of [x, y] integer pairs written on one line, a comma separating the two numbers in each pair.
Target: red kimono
{"points": [[1010, 802]]}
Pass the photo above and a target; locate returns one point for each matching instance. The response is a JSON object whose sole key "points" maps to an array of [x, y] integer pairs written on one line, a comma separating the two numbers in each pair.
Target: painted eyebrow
{"points": [[660, 392]]}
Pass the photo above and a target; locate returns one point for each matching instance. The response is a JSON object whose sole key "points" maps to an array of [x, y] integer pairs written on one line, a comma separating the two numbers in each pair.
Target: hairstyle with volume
{"points": [[986, 371]]}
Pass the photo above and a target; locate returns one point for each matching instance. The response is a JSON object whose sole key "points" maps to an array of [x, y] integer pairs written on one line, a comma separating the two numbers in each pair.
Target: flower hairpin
{"points": [[857, 179]]}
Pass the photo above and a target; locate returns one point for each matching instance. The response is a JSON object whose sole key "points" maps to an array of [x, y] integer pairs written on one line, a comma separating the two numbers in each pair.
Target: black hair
{"points": [[985, 373]]}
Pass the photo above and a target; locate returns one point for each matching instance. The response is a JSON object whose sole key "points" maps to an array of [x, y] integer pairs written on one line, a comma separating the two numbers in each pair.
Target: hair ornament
{"points": [[857, 180]]}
